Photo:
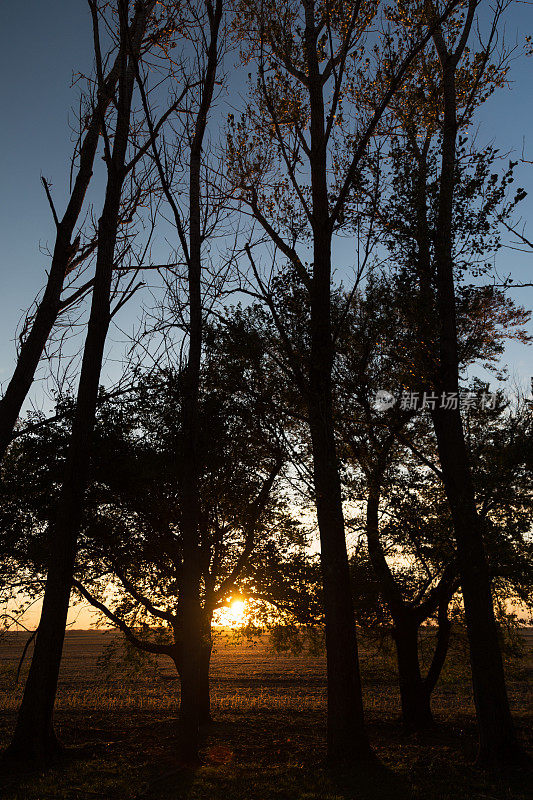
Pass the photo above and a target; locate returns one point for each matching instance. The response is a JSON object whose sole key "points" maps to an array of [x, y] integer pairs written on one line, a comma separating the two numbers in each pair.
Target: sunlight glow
{"points": [[234, 615]]}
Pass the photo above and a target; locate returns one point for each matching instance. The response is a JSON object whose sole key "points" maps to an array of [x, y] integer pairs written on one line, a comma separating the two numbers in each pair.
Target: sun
{"points": [[234, 615], [238, 608]]}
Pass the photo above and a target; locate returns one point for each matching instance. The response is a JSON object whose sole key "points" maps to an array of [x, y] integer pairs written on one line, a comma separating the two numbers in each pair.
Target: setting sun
{"points": [[234, 615]]}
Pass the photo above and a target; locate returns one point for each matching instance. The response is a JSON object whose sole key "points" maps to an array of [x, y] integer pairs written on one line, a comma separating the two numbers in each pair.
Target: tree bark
{"points": [[497, 739], [347, 740], [204, 692], [34, 740], [414, 694]]}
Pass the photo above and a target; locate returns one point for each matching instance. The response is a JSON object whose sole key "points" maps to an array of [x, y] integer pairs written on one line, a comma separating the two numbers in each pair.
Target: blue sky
{"points": [[44, 45], [41, 46]]}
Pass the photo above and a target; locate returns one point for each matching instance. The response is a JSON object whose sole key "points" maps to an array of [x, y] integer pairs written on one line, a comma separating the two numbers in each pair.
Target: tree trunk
{"points": [[195, 699], [188, 734], [497, 739], [346, 735], [204, 701], [415, 697], [441, 646], [34, 740], [192, 618], [347, 740]]}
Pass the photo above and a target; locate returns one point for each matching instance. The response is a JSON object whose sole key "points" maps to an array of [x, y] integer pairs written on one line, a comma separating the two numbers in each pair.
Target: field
{"points": [[267, 738]]}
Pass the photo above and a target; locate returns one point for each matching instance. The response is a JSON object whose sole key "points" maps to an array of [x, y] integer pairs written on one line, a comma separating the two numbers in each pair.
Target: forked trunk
{"points": [[49, 307], [415, 691], [415, 697]]}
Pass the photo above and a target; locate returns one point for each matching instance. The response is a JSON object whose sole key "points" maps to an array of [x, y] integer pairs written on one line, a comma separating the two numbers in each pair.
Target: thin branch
{"points": [[50, 201], [394, 85], [23, 656]]}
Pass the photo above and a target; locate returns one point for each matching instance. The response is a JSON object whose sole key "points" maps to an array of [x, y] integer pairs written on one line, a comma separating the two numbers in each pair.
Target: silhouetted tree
{"points": [[131, 535], [34, 739], [296, 157], [437, 105], [68, 254]]}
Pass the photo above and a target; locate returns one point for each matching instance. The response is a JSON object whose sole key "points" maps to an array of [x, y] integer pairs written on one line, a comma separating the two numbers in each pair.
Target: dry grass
{"points": [[268, 738]]}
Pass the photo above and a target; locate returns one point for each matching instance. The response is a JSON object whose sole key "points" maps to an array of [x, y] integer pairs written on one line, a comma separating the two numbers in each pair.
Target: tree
{"points": [[131, 535], [205, 21], [456, 81], [34, 739], [409, 535], [70, 251], [497, 744], [392, 492], [393, 466], [306, 115]]}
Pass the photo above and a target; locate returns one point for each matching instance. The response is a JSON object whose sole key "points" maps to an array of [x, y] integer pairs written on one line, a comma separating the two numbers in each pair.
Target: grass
{"points": [[267, 741]]}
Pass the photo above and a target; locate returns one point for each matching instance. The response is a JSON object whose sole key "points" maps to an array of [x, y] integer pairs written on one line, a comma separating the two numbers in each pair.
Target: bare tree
{"points": [[68, 254], [204, 22], [34, 739]]}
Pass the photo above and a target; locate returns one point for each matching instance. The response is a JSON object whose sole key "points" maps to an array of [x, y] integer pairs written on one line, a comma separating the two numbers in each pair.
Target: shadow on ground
{"points": [[258, 755]]}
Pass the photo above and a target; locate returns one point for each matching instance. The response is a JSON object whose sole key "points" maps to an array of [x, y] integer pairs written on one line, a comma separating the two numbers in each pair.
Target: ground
{"points": [[267, 738]]}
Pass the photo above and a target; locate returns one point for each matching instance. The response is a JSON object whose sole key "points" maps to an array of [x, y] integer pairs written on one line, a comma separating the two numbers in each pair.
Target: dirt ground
{"points": [[119, 717]]}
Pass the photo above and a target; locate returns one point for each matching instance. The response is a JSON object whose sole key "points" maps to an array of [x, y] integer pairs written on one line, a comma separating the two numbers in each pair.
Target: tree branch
{"points": [[147, 647]]}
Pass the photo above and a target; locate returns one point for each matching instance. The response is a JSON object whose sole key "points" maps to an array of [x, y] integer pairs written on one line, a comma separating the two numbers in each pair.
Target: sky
{"points": [[44, 44], [40, 52]]}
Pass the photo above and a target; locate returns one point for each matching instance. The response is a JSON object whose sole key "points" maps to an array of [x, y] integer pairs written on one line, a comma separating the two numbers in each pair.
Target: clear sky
{"points": [[42, 46]]}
